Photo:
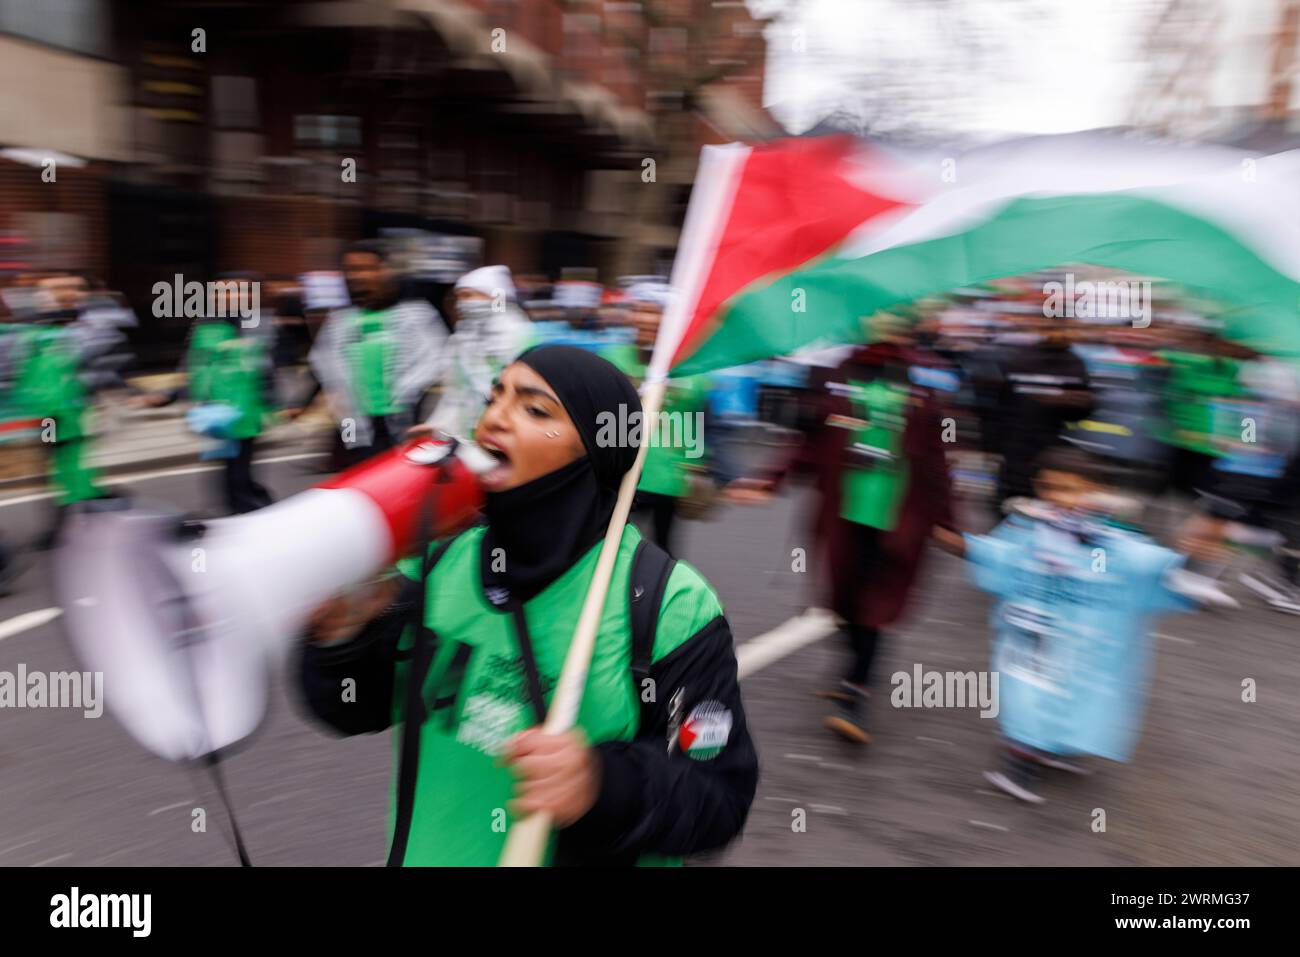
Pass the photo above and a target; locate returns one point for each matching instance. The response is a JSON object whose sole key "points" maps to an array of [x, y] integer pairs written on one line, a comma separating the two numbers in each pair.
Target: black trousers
{"points": [[863, 642], [661, 510], [241, 491], [862, 639]]}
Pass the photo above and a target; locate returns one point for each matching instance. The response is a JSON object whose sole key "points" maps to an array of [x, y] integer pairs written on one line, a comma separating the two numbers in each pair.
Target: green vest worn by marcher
{"points": [[371, 366], [1195, 381], [48, 384], [677, 440], [477, 694], [873, 484], [228, 368], [48, 387]]}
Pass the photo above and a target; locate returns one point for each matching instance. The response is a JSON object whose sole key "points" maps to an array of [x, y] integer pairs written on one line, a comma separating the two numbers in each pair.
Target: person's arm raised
{"points": [[354, 638]]}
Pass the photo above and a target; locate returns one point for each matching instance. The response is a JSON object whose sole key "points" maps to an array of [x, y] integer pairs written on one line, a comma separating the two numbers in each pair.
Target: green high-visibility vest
{"points": [[1195, 381], [48, 383], [478, 697], [228, 368], [872, 489], [677, 438], [370, 365], [48, 387]]}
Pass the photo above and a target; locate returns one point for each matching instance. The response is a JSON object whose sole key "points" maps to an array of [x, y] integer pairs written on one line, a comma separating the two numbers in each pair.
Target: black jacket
{"points": [[653, 797]]}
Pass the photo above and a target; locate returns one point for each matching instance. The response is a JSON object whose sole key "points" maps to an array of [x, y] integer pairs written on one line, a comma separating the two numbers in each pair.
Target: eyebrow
{"points": [[534, 391], [530, 390]]}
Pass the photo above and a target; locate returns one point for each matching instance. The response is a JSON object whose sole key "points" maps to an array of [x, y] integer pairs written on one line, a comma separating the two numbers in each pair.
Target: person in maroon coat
{"points": [[869, 569]]}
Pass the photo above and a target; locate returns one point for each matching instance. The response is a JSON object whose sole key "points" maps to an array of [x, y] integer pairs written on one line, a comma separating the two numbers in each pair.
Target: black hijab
{"points": [[546, 525]]}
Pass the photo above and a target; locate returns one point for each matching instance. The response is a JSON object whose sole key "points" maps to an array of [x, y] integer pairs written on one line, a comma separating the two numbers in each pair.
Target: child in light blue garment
{"points": [[1072, 649]]}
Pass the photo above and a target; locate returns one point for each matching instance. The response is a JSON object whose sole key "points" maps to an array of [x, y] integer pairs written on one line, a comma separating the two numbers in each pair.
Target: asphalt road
{"points": [[1213, 781]]}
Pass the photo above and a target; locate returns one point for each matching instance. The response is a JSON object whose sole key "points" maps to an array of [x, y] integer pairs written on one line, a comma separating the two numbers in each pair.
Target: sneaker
{"points": [[1017, 778], [850, 719], [1060, 763], [1202, 590], [1289, 605], [848, 727], [1277, 592]]}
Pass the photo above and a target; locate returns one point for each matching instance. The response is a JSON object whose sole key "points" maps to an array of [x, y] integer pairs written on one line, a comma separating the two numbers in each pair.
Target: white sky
{"points": [[1053, 65]]}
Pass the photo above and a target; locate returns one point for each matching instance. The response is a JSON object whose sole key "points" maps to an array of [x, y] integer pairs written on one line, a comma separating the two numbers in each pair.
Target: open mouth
{"points": [[499, 473]]}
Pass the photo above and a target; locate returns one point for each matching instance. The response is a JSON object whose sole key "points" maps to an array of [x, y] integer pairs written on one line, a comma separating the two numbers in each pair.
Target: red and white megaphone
{"points": [[185, 622]]}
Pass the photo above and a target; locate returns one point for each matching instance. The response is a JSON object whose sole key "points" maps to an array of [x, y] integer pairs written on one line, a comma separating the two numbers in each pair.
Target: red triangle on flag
{"points": [[686, 736], [793, 202]]}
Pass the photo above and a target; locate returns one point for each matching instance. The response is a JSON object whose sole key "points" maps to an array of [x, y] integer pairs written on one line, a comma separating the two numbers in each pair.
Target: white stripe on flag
{"points": [[712, 196]]}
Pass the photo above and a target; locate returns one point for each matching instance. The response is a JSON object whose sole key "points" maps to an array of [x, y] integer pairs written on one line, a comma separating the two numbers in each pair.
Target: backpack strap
{"points": [[422, 649], [651, 568], [430, 559]]}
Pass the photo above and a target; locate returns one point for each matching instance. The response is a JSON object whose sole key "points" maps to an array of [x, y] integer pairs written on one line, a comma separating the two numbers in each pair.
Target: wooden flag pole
{"points": [[710, 199], [526, 843]]}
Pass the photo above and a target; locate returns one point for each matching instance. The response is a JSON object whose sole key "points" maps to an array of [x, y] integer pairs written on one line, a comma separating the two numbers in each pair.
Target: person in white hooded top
{"points": [[491, 330]]}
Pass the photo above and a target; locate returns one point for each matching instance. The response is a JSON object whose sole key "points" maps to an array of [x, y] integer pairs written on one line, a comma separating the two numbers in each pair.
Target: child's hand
{"points": [[950, 541]]}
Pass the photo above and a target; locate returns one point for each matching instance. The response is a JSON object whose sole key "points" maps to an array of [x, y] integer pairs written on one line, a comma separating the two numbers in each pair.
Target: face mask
{"points": [[477, 309]]}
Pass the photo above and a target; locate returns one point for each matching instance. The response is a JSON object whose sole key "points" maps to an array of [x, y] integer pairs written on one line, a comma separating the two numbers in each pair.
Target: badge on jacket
{"points": [[705, 731]]}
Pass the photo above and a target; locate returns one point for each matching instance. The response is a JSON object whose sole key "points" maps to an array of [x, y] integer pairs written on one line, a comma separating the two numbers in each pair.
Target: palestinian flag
{"points": [[802, 241]]}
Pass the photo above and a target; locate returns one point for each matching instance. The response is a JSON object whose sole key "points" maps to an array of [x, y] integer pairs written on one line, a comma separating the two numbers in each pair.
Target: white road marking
{"points": [[24, 622], [932, 740], [169, 807], [757, 653], [802, 757], [165, 473], [16, 846], [827, 809], [782, 800], [991, 827], [61, 857], [1181, 641]]}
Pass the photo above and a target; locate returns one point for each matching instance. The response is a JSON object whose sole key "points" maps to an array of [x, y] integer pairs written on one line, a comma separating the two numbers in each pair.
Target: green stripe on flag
{"points": [[1123, 231]]}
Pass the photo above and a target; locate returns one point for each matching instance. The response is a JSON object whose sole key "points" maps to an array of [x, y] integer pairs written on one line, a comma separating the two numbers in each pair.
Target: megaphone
{"points": [[186, 622]]}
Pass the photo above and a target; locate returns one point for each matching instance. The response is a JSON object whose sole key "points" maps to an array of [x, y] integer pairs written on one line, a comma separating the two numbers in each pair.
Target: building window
{"points": [[320, 131]]}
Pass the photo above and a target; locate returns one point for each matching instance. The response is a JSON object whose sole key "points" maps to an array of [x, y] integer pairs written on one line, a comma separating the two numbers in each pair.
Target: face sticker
{"points": [[705, 731]]}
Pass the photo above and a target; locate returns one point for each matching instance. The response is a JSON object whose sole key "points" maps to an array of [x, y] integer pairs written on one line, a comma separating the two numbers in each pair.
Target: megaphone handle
{"points": [[213, 759]]}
